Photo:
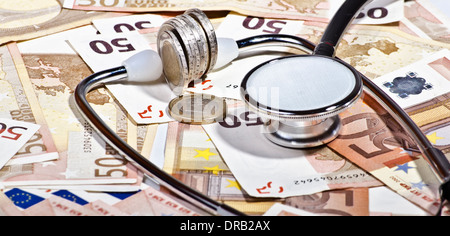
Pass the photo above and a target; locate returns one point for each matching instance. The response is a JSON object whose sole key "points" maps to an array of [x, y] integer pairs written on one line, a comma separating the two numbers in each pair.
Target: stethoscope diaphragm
{"points": [[301, 97]]}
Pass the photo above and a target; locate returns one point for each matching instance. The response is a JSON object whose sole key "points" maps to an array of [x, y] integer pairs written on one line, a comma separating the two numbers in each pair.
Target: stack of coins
{"points": [[188, 48]]}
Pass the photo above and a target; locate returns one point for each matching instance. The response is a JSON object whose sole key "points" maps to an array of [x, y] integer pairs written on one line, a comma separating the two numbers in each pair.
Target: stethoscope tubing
{"points": [[326, 47], [116, 74], [143, 164], [436, 157]]}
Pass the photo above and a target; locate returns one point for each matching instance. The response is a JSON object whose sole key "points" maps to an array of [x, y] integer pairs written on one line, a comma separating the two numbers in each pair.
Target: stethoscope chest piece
{"points": [[301, 98]]}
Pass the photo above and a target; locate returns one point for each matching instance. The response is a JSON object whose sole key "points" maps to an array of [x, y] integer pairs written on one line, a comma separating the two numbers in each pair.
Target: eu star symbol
{"points": [[434, 138], [215, 170], [233, 184], [419, 185], [205, 154], [405, 167]]}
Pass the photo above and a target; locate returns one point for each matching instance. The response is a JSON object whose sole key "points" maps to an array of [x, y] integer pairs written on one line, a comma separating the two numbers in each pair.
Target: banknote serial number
{"points": [[87, 138], [330, 178]]}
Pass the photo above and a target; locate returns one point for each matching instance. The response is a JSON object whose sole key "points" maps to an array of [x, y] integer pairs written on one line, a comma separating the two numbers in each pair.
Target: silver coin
{"points": [[198, 109], [202, 44], [186, 39], [190, 42], [208, 28], [185, 28], [174, 61]]}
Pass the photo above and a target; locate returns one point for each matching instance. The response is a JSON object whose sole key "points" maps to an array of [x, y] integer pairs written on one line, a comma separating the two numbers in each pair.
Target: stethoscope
{"points": [[306, 115]]}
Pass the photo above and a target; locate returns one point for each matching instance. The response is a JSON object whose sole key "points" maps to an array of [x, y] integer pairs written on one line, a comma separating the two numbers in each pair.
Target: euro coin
{"points": [[176, 68], [208, 28], [198, 109]]}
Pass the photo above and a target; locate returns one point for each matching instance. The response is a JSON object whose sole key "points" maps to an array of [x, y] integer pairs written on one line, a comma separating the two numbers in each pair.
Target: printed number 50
{"points": [[255, 23], [103, 47], [250, 118], [110, 162], [11, 133], [102, 3], [375, 13]]}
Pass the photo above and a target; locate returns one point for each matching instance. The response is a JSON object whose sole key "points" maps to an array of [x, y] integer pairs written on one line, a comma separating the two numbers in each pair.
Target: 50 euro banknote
{"points": [[427, 20], [19, 103], [264, 169], [377, 12], [192, 157], [47, 78], [374, 141], [23, 19]]}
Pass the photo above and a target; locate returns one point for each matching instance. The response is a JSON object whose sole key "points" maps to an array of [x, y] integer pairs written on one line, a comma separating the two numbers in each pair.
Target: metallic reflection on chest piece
{"points": [[303, 134]]}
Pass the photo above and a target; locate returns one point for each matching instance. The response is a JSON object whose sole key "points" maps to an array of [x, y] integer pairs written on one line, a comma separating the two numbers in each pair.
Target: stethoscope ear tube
{"points": [[338, 25], [435, 157], [327, 47], [204, 203]]}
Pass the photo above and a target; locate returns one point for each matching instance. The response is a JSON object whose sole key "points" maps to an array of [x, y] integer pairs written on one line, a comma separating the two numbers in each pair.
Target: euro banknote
{"points": [[426, 100], [433, 116], [377, 12], [375, 142], [192, 157], [265, 169], [19, 104], [148, 202], [46, 80], [373, 50], [428, 20], [23, 20], [14, 135], [428, 78], [7, 207]]}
